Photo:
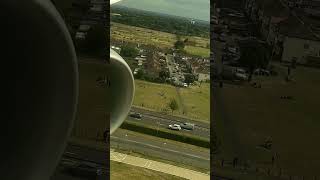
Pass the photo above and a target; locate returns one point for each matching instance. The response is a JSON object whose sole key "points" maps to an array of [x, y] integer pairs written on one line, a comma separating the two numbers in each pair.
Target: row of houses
{"points": [[292, 34], [309, 4]]}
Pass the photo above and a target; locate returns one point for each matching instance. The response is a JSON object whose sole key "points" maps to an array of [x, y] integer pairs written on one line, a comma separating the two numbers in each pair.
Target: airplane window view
{"points": [[85, 155], [265, 69], [167, 47], [162, 89]]}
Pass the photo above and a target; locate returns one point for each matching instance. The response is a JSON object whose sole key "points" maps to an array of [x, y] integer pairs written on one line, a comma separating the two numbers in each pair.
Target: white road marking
{"points": [[158, 147], [70, 153], [145, 165], [124, 157]]}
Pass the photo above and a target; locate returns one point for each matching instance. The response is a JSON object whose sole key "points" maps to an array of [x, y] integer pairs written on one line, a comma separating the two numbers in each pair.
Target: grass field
{"points": [[197, 101], [91, 116], [157, 96], [251, 115], [152, 95], [142, 35], [198, 41], [121, 171], [121, 32], [198, 51]]}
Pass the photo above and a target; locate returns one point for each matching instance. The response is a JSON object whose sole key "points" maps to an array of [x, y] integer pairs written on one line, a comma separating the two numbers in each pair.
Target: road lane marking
{"points": [[70, 153], [124, 157], [145, 165], [158, 147]]}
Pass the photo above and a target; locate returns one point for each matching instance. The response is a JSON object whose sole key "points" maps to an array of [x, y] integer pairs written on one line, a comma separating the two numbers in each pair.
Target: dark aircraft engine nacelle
{"points": [[42, 89]]}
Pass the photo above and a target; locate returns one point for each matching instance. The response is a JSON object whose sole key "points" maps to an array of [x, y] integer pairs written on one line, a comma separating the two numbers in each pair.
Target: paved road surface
{"points": [[158, 166], [141, 144], [161, 148], [162, 120], [76, 154]]}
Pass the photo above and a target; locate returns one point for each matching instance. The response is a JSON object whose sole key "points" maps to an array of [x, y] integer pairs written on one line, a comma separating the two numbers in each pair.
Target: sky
{"points": [[197, 9]]}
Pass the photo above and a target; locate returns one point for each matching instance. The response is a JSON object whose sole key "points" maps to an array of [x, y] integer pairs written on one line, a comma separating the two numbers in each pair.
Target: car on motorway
{"points": [[240, 74], [176, 127], [187, 126], [136, 115], [85, 169]]}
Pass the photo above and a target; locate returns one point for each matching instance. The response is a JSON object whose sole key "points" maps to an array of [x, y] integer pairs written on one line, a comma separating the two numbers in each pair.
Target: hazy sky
{"points": [[197, 9]]}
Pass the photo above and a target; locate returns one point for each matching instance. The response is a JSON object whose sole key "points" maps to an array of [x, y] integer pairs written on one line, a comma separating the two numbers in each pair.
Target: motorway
{"points": [[153, 147], [161, 148], [160, 120], [79, 154]]}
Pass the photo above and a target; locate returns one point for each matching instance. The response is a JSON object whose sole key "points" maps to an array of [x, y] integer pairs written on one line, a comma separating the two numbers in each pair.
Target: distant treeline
{"points": [[160, 22], [229, 3]]}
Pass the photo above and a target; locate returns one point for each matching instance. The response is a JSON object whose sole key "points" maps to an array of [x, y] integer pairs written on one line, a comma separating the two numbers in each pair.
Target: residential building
{"points": [[298, 42]]}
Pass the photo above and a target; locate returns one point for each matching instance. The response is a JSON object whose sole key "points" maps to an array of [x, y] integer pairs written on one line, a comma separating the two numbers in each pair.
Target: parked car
{"points": [[262, 72], [221, 39], [188, 126], [136, 115], [176, 127], [215, 20], [241, 74], [185, 85], [85, 169]]}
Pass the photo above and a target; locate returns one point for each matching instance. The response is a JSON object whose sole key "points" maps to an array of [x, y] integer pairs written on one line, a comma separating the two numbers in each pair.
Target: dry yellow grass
{"points": [[121, 171], [122, 32], [144, 36]]}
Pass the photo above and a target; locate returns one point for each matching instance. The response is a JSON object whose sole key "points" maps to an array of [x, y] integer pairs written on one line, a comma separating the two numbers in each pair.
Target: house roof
{"points": [[292, 27], [273, 8], [276, 20]]}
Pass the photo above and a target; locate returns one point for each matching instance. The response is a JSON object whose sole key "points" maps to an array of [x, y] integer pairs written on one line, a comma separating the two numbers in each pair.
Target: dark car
{"points": [[136, 115], [88, 170], [187, 126]]}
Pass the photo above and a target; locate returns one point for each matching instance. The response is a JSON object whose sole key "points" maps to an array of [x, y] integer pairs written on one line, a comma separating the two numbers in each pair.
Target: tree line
{"points": [[160, 22]]}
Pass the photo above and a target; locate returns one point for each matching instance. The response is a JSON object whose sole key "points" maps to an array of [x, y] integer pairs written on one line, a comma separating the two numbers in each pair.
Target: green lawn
{"points": [[152, 95], [156, 97], [198, 51], [91, 116], [121, 171], [197, 101], [252, 114]]}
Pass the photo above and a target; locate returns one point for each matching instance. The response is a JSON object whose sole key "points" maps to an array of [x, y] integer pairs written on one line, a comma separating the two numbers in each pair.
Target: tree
{"points": [[254, 55], [189, 78], [163, 75], [129, 51], [96, 41], [140, 74], [173, 105], [179, 45]]}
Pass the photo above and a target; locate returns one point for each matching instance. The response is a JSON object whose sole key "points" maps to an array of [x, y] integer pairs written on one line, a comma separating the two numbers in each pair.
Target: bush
{"points": [[129, 51]]}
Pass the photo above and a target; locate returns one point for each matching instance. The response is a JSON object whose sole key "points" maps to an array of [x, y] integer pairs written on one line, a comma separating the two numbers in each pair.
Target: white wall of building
{"points": [[299, 49]]}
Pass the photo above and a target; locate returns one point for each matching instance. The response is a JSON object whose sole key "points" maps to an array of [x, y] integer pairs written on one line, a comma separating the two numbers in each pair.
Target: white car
{"points": [[241, 74], [175, 127]]}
